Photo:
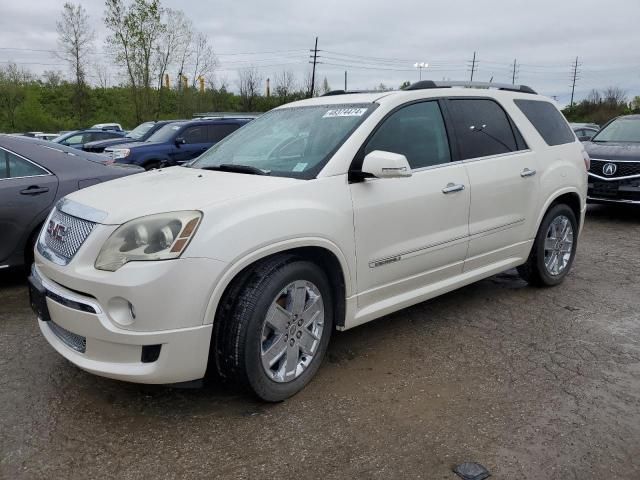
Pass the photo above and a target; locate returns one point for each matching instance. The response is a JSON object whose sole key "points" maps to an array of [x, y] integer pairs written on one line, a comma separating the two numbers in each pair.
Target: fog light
{"points": [[121, 311], [150, 353]]}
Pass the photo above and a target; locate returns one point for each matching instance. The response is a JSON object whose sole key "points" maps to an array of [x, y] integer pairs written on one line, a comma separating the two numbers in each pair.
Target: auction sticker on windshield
{"points": [[345, 112]]}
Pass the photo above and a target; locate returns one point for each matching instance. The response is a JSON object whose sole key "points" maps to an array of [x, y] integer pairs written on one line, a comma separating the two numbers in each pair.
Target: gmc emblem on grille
{"points": [[609, 169], [57, 231]]}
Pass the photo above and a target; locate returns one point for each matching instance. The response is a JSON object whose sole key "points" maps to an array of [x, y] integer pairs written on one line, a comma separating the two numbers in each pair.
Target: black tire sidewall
{"points": [[262, 385], [556, 211]]}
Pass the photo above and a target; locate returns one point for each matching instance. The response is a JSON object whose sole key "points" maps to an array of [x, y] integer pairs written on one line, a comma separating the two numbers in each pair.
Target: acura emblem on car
{"points": [[609, 168], [57, 230]]}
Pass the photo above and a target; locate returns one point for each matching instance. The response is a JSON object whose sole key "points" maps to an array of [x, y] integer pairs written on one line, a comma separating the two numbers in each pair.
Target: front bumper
{"points": [[625, 191], [107, 339]]}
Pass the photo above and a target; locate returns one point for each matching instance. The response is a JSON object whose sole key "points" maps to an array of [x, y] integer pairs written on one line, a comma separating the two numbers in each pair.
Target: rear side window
{"points": [[12, 166], [482, 128], [218, 132], [547, 120], [416, 131]]}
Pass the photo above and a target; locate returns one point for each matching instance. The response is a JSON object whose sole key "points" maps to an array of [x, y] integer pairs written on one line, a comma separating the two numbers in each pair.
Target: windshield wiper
{"points": [[235, 167]]}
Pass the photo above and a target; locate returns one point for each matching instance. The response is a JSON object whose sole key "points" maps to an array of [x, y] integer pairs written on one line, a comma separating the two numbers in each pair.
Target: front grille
{"points": [[68, 239], [71, 340], [623, 169]]}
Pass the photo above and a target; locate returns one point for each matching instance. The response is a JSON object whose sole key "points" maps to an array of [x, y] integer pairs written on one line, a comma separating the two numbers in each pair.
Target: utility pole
{"points": [[313, 72], [574, 74], [473, 66], [345, 80], [514, 72]]}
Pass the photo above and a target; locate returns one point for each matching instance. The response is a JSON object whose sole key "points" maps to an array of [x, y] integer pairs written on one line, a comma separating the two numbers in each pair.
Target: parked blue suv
{"points": [[176, 142]]}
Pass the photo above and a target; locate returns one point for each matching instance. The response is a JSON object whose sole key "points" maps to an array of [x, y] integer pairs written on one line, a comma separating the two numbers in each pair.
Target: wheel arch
{"points": [[568, 196], [320, 251]]}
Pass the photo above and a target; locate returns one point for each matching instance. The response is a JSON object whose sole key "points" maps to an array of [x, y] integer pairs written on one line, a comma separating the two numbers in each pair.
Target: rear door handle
{"points": [[527, 173], [34, 190], [452, 187]]}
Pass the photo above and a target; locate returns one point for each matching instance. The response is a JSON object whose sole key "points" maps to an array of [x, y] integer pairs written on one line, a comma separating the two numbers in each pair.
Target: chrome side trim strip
{"points": [[614, 161], [79, 210], [411, 253], [499, 227]]}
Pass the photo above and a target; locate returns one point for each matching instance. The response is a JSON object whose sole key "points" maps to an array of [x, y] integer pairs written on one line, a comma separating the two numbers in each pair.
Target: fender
{"points": [[246, 259], [552, 198]]}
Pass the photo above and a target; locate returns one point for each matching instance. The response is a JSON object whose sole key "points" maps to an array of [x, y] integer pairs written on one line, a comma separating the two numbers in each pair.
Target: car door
{"points": [[26, 190], [195, 142], [410, 232], [503, 183]]}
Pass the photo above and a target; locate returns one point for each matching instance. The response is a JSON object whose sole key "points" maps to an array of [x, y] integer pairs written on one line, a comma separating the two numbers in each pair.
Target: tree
{"points": [[284, 84], [249, 81], [203, 59], [405, 84], [326, 88], [13, 81], [75, 39], [136, 30], [52, 78]]}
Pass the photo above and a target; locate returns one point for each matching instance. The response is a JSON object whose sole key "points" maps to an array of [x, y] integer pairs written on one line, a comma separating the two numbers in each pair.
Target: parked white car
{"points": [[319, 215]]}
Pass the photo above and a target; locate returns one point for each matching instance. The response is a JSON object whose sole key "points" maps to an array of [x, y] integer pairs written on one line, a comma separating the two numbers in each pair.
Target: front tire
{"points": [[554, 248], [273, 328]]}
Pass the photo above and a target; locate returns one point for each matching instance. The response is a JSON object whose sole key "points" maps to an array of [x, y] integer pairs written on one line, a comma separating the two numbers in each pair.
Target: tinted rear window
{"points": [[548, 121], [483, 128]]}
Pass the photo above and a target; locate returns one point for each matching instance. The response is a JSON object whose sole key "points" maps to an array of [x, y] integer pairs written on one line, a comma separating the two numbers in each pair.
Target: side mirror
{"points": [[382, 164], [180, 141]]}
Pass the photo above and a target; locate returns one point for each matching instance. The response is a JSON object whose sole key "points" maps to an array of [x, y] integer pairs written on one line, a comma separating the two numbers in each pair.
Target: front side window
{"points": [[12, 166], [416, 131], [196, 134], [74, 139], [482, 128], [289, 142], [621, 130]]}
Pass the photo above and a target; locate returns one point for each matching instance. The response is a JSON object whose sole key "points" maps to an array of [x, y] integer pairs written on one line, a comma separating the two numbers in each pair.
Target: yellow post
{"points": [[201, 80], [166, 81]]}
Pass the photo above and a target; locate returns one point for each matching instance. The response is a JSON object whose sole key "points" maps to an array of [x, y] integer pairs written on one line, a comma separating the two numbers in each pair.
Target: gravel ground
{"points": [[536, 384]]}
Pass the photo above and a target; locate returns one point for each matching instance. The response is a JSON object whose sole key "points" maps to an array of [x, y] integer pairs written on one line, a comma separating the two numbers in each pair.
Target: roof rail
{"points": [[347, 92], [211, 115], [425, 84]]}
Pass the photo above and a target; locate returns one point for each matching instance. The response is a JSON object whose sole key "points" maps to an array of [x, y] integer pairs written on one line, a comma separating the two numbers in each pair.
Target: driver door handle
{"points": [[34, 190], [452, 187], [527, 173]]}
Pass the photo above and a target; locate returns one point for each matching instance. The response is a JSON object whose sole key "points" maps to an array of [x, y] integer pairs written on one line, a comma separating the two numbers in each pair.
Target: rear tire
{"points": [[273, 327], [554, 248]]}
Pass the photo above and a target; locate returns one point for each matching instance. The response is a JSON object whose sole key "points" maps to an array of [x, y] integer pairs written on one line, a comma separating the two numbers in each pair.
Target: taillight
{"points": [[587, 159]]}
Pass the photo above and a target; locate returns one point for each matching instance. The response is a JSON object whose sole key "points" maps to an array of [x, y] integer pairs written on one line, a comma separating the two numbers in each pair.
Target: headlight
{"points": [[120, 153], [156, 237]]}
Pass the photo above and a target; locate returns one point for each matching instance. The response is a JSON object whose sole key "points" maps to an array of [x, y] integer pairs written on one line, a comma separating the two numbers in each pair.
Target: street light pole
{"points": [[420, 66]]}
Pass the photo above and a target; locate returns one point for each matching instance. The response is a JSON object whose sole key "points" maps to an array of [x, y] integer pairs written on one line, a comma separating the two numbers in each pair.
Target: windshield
{"points": [[620, 130], [140, 131], [289, 142], [166, 133]]}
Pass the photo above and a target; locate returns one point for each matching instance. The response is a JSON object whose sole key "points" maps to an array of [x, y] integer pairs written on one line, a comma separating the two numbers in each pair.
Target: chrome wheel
{"points": [[558, 245], [291, 331]]}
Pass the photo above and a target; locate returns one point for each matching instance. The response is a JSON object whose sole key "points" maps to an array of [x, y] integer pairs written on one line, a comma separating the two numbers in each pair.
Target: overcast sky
{"points": [[378, 42]]}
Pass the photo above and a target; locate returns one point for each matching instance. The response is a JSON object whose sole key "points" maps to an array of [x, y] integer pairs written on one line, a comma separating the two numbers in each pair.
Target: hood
{"points": [[613, 151], [130, 143], [172, 189]]}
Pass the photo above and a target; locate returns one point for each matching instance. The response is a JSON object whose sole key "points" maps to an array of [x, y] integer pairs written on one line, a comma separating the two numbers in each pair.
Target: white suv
{"points": [[322, 214]]}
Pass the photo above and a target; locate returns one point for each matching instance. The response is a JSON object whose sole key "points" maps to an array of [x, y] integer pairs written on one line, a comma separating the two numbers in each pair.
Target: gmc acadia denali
{"points": [[319, 215]]}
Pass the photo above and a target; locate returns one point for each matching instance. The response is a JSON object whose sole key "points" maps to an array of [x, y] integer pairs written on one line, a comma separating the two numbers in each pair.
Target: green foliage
{"points": [[600, 107], [33, 105]]}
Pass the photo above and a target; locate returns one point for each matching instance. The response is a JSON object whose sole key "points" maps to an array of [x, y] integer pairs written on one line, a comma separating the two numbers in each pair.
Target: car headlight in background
{"points": [[120, 153], [155, 237]]}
